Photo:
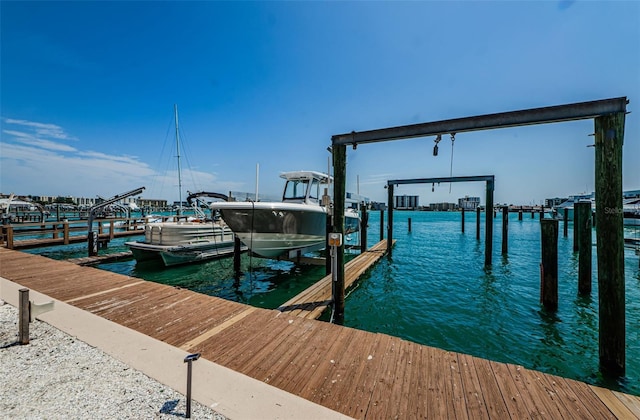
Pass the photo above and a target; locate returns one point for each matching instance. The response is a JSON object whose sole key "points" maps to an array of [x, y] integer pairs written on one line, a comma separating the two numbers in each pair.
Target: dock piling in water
{"points": [[609, 130], [505, 229], [549, 264], [478, 222], [463, 220], [582, 216]]}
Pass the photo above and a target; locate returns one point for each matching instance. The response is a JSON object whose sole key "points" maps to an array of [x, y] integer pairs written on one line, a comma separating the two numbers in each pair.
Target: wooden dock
{"points": [[358, 373], [52, 233], [98, 259], [314, 300]]}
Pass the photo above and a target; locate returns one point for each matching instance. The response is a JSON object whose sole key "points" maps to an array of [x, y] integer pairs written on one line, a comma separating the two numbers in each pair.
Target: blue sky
{"points": [[87, 91]]}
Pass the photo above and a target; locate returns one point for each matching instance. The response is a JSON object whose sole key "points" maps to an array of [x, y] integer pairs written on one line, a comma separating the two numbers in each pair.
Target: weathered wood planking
{"points": [[311, 302], [361, 374]]}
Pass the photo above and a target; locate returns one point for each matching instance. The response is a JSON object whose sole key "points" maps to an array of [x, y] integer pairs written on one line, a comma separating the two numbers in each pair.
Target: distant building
{"points": [[442, 206], [152, 203], [469, 203], [406, 202]]}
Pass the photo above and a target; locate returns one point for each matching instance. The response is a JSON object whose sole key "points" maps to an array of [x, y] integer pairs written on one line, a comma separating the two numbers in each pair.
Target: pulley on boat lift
{"points": [[435, 146]]}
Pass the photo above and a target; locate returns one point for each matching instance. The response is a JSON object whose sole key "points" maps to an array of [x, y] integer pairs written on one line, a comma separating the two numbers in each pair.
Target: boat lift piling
{"points": [[364, 224], [582, 224], [549, 264], [478, 210], [490, 182], [609, 119], [565, 222], [462, 220], [505, 230]]}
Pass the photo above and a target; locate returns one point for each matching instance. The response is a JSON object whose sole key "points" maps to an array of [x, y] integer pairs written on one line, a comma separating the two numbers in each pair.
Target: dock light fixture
{"points": [[189, 359], [435, 147]]}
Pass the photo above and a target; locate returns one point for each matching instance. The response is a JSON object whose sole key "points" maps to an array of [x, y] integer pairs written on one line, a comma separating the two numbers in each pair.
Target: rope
{"points": [[453, 139]]}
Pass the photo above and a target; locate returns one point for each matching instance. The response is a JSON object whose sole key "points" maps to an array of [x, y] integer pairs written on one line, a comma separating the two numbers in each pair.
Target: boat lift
{"points": [[92, 237]]}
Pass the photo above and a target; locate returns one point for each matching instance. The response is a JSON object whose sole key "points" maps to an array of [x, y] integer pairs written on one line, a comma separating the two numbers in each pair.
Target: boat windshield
{"points": [[301, 189], [295, 189]]}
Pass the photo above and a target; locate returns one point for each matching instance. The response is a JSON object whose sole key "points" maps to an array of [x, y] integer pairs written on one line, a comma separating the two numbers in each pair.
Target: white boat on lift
{"points": [[291, 227]]}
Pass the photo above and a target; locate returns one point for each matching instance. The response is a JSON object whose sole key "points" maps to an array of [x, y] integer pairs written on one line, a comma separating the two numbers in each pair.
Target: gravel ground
{"points": [[57, 376]]}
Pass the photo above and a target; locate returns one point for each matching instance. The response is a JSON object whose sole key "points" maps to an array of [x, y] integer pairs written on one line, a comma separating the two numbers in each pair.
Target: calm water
{"points": [[435, 291]]}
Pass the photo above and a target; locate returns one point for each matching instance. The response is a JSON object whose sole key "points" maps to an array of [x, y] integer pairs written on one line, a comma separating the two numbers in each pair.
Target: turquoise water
{"points": [[436, 291]]}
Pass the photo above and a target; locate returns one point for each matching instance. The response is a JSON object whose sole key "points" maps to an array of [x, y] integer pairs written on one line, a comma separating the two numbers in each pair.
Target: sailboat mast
{"points": [[175, 108]]}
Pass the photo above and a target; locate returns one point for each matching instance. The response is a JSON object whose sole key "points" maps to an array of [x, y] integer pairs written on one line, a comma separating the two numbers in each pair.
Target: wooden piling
{"points": [[505, 229], [9, 236], [576, 223], [533, 214], [541, 212], [609, 136], [390, 220], [478, 223], [409, 224], [328, 229], [565, 222], [24, 316], [339, 153], [364, 223], [488, 233], [236, 255], [549, 264], [582, 213], [463, 220], [520, 215], [65, 232], [381, 224]]}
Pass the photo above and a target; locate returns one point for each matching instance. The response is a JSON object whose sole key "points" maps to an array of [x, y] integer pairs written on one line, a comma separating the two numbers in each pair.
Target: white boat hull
{"points": [[274, 230]]}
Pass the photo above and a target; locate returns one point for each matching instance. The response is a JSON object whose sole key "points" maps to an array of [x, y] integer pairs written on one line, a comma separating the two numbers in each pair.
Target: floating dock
{"points": [[357, 373], [313, 301]]}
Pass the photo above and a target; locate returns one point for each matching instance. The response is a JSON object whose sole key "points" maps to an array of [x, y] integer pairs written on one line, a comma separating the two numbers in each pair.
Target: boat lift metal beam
{"points": [[609, 118], [489, 179], [551, 114], [91, 238]]}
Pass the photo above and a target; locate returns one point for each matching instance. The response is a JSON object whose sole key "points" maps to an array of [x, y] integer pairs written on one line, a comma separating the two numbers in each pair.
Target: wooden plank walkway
{"points": [[311, 302], [97, 259], [358, 373], [38, 243]]}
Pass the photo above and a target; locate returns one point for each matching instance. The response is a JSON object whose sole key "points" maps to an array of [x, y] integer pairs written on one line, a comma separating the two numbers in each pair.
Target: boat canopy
{"points": [[320, 176]]}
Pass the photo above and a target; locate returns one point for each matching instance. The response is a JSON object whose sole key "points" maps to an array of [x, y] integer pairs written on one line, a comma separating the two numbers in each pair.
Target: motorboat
{"points": [[184, 240], [288, 228], [181, 242]]}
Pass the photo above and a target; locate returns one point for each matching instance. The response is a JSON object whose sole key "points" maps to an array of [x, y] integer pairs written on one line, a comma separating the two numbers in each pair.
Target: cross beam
{"points": [[489, 179], [550, 114]]}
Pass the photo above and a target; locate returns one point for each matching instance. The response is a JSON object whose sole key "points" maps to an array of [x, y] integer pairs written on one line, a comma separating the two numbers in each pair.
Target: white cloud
{"points": [[42, 129], [27, 138], [35, 161]]}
